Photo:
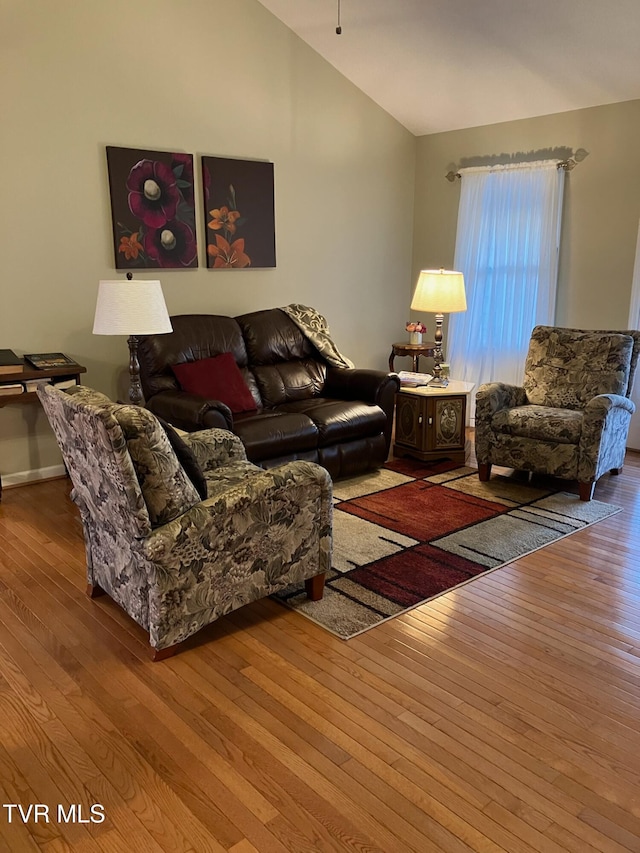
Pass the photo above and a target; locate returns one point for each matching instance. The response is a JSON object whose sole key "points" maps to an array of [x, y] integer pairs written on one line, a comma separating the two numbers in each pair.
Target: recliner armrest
{"points": [[604, 409], [493, 396], [198, 524], [602, 404], [188, 411], [605, 425], [215, 447]]}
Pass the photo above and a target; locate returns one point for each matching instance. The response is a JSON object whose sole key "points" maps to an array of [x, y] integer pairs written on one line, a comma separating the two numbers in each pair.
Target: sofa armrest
{"points": [[371, 386], [190, 411], [214, 447]]}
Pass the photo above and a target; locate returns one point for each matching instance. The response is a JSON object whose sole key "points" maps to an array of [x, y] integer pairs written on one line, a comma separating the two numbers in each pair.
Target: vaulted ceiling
{"points": [[439, 65]]}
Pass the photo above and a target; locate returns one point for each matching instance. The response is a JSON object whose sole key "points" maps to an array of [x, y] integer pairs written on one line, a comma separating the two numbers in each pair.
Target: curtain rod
{"points": [[568, 164]]}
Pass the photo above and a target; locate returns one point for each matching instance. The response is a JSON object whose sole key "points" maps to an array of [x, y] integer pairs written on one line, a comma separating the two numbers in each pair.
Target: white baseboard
{"points": [[20, 478]]}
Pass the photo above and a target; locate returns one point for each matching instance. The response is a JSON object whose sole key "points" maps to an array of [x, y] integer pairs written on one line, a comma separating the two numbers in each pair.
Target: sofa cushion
{"points": [[540, 423], [217, 378], [271, 336], [194, 337], [566, 368], [288, 381], [285, 364], [340, 420], [274, 434], [167, 490]]}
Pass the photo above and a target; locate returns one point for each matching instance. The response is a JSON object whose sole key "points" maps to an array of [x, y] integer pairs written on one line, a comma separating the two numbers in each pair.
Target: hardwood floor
{"points": [[503, 716]]}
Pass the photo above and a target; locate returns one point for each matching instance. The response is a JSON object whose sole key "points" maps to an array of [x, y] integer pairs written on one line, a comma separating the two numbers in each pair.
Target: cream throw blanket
{"points": [[315, 328]]}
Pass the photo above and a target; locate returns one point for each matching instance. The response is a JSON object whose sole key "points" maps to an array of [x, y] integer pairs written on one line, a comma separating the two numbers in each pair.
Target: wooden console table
{"points": [[29, 373], [413, 350]]}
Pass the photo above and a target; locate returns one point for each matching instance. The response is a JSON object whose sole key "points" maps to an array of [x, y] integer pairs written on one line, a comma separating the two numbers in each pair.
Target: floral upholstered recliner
{"points": [[173, 560], [571, 416]]}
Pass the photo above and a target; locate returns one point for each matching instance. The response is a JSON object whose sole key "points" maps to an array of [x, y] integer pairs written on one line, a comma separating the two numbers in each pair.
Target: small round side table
{"points": [[414, 350]]}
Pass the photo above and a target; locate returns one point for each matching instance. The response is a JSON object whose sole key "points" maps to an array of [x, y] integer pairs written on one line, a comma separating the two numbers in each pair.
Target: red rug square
{"points": [[417, 469], [415, 575], [422, 510]]}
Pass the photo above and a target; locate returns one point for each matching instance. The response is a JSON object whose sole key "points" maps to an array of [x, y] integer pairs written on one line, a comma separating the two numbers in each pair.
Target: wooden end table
{"points": [[430, 422], [28, 373], [413, 350]]}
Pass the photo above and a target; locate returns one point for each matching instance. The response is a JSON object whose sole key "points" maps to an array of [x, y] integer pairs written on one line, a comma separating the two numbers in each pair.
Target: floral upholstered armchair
{"points": [[571, 416], [179, 543]]}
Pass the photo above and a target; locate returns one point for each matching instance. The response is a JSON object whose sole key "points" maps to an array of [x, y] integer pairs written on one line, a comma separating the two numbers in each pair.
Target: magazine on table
{"points": [[50, 360], [413, 380]]}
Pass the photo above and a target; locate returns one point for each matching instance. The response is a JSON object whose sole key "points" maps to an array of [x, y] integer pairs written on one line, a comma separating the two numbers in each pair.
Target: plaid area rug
{"points": [[412, 531]]}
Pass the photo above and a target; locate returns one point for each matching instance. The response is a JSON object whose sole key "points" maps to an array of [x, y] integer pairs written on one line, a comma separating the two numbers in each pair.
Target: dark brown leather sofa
{"points": [[305, 409]]}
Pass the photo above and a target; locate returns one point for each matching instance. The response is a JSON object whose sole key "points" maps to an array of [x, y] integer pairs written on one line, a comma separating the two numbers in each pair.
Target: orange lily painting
{"points": [[239, 213]]}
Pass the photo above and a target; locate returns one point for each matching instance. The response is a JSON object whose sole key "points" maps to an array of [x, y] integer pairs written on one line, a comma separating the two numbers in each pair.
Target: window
{"points": [[507, 246]]}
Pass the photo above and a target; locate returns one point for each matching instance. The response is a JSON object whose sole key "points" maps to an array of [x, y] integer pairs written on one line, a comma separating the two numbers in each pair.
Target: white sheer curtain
{"points": [[633, 439], [507, 246]]}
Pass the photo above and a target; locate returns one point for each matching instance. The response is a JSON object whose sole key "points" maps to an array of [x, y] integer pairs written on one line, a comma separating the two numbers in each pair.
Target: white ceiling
{"points": [[439, 65]]}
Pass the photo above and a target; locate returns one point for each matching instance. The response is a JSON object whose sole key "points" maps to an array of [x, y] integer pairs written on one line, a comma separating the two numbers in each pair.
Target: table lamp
{"points": [[132, 308], [439, 292]]}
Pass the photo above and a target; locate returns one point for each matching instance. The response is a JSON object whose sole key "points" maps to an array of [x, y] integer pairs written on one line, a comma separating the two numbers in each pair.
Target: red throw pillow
{"points": [[216, 378]]}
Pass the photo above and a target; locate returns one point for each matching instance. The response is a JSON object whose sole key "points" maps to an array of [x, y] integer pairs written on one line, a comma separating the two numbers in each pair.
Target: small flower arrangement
{"points": [[412, 326]]}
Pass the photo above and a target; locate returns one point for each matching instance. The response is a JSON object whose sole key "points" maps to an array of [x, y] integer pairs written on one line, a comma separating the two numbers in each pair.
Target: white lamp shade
{"points": [[131, 308], [440, 292]]}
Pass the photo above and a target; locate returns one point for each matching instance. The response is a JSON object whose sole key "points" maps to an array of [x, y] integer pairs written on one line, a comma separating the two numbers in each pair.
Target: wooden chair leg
{"points": [[163, 654], [484, 471], [586, 490], [314, 587], [94, 591]]}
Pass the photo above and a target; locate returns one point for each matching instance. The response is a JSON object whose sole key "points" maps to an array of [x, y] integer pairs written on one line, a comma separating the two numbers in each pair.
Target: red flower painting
{"points": [[152, 203]]}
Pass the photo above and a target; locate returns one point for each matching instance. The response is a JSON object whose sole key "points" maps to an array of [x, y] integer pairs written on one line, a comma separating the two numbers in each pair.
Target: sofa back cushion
{"points": [[194, 337], [285, 364], [565, 368]]}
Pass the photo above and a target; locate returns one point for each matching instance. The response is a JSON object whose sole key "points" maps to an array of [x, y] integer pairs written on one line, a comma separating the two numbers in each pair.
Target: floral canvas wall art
{"points": [[239, 213], [153, 209]]}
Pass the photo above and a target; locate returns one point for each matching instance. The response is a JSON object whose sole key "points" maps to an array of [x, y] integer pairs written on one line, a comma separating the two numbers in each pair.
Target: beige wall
{"points": [[601, 205], [231, 80], [225, 79]]}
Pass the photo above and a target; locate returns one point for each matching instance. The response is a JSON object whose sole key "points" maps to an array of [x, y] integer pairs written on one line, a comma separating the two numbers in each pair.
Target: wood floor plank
{"points": [[501, 717]]}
